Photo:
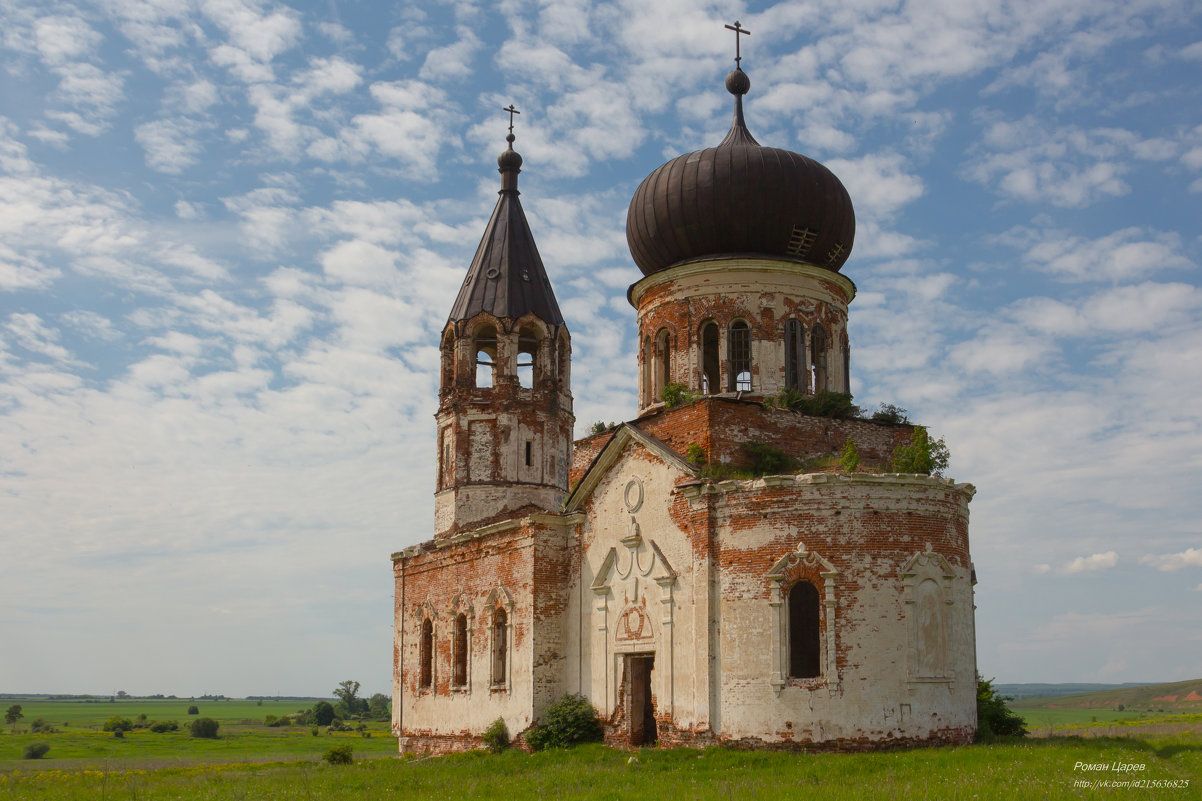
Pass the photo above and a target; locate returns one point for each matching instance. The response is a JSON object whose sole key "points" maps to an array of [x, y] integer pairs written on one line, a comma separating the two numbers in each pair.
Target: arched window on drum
{"points": [[795, 355], [710, 366], [818, 350], [740, 357]]}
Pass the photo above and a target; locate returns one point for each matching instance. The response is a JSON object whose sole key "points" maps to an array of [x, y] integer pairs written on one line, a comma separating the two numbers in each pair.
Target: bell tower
{"points": [[505, 402]]}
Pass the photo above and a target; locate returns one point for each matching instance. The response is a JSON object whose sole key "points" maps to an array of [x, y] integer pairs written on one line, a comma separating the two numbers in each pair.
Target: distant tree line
{"points": [[348, 707]]}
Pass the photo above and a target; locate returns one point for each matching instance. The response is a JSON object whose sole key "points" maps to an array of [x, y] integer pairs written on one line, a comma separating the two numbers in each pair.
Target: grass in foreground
{"points": [[1029, 769]]}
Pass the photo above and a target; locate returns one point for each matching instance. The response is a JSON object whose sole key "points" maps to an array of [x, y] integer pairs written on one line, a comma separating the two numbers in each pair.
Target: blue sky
{"points": [[231, 230]]}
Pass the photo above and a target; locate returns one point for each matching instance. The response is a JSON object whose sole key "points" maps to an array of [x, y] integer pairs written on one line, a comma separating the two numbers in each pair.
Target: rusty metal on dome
{"points": [[740, 199]]}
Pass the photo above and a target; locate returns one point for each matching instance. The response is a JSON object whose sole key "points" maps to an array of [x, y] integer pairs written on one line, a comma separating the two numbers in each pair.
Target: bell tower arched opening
{"points": [[485, 346]]}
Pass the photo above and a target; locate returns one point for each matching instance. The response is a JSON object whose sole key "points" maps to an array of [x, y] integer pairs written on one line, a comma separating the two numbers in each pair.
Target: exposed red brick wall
{"points": [[584, 450], [722, 425]]}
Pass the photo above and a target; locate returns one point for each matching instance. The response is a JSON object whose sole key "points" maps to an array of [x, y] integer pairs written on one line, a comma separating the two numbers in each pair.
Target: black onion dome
{"points": [[740, 198]]}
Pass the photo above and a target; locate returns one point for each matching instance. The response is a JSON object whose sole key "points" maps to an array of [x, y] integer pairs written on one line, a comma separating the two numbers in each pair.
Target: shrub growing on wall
{"points": [[677, 395], [849, 457], [921, 455], [768, 460], [820, 404]]}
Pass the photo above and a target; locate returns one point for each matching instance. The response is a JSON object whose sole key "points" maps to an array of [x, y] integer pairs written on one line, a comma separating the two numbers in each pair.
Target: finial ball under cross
{"points": [[739, 31]]}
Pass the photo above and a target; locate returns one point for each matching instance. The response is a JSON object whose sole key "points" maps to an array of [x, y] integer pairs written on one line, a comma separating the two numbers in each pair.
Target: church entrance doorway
{"points": [[640, 708]]}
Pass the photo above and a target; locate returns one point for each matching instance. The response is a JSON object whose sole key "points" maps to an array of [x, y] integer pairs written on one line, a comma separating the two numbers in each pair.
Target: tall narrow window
{"points": [[426, 657], [486, 356], [459, 658], [740, 356], [846, 366], [663, 362], [529, 453], [565, 362], [795, 351], [448, 360], [647, 371], [710, 383], [446, 467], [527, 357], [500, 633], [818, 357], [804, 642]]}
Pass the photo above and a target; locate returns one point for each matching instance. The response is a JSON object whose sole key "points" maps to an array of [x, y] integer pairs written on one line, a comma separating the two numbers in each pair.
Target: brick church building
{"points": [[807, 610]]}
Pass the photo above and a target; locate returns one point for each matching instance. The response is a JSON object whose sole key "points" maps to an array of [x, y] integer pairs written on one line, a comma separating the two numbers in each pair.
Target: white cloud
{"points": [[879, 183], [32, 334], [268, 216], [187, 211], [93, 93], [1000, 351], [361, 263], [1124, 255], [62, 39], [1090, 564], [1066, 166], [198, 96], [1190, 557], [92, 325], [169, 145], [397, 131], [1143, 308], [261, 30], [453, 61]]}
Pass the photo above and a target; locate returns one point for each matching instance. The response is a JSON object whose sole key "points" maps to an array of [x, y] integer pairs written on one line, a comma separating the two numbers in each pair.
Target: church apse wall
{"points": [[891, 661]]}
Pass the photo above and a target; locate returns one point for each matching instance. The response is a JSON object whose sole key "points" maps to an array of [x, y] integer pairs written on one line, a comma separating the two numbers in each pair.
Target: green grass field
{"points": [[251, 761], [79, 741], [92, 714], [1035, 769]]}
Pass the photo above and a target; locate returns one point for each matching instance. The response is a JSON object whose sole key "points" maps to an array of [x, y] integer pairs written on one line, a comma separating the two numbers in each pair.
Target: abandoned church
{"points": [[689, 605]]}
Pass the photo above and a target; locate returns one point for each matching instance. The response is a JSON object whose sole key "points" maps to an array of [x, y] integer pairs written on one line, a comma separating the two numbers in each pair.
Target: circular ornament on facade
{"points": [[492, 273], [633, 495]]}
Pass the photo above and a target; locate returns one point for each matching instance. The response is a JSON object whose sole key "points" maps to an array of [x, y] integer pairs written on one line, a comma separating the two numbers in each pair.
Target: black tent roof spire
{"points": [[506, 277]]}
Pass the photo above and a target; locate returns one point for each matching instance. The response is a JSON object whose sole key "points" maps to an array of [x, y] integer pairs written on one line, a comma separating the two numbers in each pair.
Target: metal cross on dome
{"points": [[511, 111], [739, 31]]}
